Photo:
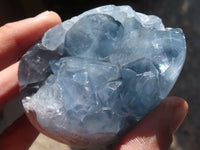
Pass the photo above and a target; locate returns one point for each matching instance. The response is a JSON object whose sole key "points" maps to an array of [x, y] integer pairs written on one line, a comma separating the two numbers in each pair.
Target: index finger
{"points": [[17, 37]]}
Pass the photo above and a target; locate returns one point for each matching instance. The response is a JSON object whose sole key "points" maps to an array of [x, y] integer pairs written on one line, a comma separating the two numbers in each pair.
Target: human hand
{"points": [[154, 132], [15, 39]]}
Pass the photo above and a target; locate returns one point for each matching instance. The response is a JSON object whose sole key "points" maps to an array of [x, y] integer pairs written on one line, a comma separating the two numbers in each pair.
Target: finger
{"points": [[9, 88], [17, 37], [18, 136], [154, 132]]}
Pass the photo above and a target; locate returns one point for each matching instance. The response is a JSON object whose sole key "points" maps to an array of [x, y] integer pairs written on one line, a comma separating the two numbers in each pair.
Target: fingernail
{"points": [[45, 13]]}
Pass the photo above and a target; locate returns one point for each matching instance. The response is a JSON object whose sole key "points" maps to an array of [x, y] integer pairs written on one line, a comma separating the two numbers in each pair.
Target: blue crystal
{"points": [[93, 36], [93, 77]]}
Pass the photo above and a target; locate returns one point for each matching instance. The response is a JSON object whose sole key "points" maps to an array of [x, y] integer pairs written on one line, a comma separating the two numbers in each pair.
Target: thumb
{"points": [[154, 132]]}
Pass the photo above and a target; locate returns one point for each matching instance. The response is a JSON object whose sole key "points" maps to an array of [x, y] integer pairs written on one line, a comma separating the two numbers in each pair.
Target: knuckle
{"points": [[6, 28]]}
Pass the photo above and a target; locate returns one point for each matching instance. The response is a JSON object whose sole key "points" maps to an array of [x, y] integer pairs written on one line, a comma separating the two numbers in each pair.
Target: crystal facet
{"points": [[94, 76]]}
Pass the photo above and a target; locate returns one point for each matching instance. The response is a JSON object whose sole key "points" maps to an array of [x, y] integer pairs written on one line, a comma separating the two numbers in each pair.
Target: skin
{"points": [[153, 132]]}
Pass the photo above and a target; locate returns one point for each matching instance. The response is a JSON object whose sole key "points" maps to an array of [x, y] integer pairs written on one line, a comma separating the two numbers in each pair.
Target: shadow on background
{"points": [[175, 13]]}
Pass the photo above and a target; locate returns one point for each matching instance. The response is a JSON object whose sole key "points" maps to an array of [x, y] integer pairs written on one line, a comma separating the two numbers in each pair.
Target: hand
{"points": [[154, 132], [15, 39]]}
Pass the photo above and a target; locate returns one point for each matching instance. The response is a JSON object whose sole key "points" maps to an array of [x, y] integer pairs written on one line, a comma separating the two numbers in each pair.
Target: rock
{"points": [[96, 75]]}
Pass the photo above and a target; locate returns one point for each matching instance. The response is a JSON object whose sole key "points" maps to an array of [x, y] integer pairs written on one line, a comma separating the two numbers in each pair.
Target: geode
{"points": [[94, 76]]}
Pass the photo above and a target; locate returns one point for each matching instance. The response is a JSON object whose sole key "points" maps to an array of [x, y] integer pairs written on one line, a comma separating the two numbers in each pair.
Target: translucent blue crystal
{"points": [[93, 77], [93, 36]]}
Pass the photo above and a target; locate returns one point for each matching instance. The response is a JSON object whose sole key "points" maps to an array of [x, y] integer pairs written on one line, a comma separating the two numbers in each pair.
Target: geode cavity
{"points": [[94, 76]]}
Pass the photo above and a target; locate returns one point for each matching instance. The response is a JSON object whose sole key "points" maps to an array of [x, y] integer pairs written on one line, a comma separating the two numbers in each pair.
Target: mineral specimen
{"points": [[94, 76]]}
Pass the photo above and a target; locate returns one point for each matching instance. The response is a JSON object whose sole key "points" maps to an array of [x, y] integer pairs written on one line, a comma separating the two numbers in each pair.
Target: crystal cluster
{"points": [[91, 78]]}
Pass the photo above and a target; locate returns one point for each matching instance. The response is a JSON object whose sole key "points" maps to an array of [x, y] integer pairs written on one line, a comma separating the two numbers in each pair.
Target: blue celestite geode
{"points": [[91, 78]]}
